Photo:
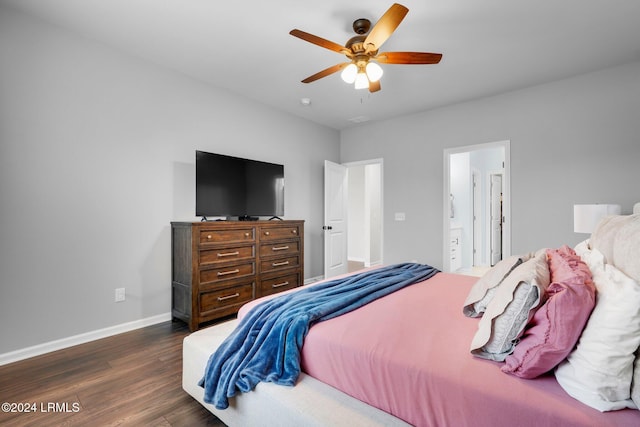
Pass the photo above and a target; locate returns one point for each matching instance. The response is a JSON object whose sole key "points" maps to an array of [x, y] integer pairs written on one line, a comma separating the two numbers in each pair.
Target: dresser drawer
{"points": [[226, 254], [226, 272], [279, 284], [279, 264], [276, 233], [244, 234], [285, 248], [224, 298]]}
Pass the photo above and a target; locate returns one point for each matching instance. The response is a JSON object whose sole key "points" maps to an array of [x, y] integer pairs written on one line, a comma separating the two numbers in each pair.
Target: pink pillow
{"points": [[556, 327]]}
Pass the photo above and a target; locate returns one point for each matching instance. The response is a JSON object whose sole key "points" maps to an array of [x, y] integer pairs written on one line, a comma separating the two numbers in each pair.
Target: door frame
{"points": [[476, 184], [490, 176], [446, 227]]}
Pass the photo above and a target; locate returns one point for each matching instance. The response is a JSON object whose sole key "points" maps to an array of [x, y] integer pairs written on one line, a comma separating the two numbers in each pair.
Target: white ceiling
{"points": [[488, 46]]}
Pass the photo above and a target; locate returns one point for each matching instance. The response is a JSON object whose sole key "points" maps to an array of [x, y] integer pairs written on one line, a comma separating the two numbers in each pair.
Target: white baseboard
{"points": [[37, 350], [313, 280]]}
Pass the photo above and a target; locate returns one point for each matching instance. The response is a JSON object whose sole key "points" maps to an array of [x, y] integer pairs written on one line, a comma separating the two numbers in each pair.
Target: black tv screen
{"points": [[233, 186]]}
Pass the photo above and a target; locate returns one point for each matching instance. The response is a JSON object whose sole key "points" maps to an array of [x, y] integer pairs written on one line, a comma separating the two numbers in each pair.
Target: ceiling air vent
{"points": [[360, 119]]}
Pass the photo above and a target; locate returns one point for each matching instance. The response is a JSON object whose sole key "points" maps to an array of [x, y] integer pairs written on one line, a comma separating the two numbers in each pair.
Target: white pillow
{"points": [[509, 326], [512, 306], [617, 237], [599, 371], [484, 289]]}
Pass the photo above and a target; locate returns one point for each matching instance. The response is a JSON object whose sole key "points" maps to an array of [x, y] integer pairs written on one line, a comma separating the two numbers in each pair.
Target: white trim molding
{"points": [[313, 280], [37, 350]]}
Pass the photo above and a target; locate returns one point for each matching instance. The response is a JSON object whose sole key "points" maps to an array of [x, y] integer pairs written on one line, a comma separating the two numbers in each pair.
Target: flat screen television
{"points": [[235, 187]]}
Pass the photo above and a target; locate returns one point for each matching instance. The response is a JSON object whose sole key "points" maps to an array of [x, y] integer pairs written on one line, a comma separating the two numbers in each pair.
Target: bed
{"points": [[422, 355]]}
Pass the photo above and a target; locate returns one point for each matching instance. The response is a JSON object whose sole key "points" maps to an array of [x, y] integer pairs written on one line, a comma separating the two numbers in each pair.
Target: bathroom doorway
{"points": [[476, 221]]}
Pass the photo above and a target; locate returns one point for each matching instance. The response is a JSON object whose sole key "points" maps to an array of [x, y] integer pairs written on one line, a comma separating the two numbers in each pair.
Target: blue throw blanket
{"points": [[266, 345]]}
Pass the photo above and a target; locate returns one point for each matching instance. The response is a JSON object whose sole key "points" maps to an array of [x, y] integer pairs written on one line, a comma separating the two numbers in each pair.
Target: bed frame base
{"points": [[309, 403]]}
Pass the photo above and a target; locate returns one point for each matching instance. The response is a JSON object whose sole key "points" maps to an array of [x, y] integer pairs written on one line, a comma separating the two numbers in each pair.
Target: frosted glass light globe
{"points": [[362, 82], [374, 71], [349, 73]]}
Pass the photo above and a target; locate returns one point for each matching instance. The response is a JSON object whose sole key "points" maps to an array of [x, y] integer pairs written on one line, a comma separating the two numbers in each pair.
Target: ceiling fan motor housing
{"points": [[356, 44], [361, 26]]}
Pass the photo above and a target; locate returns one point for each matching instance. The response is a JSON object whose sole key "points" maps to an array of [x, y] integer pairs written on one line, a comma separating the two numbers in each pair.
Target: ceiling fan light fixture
{"points": [[364, 47], [349, 73], [374, 71], [362, 82]]}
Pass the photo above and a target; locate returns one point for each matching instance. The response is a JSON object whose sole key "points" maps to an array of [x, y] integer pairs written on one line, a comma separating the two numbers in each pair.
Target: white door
{"points": [[335, 219], [477, 216], [496, 218]]}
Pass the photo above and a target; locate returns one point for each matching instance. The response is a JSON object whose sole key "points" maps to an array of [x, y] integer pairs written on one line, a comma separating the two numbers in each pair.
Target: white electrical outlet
{"points": [[119, 295], [400, 216]]}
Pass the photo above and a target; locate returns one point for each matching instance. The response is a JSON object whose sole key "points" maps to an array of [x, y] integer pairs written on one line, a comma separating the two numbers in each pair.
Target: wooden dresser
{"points": [[217, 267]]}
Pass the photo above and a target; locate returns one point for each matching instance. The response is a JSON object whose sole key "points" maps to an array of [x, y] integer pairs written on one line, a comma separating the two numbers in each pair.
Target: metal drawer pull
{"points": [[280, 248], [278, 264], [228, 297], [209, 236], [229, 254], [279, 285], [266, 233], [224, 273], [294, 231]]}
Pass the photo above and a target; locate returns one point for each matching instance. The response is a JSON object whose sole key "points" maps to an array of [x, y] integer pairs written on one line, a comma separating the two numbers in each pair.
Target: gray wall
{"points": [[572, 141], [97, 157]]}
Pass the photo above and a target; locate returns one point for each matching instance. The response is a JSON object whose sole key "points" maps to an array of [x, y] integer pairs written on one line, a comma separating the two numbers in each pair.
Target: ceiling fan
{"points": [[362, 51]]}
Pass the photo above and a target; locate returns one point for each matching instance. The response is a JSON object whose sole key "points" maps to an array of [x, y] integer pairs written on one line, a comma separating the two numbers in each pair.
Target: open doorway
{"points": [[364, 247], [477, 215], [353, 227]]}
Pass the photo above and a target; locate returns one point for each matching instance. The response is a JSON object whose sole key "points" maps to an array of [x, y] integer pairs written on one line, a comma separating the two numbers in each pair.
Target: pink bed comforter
{"points": [[408, 354]]}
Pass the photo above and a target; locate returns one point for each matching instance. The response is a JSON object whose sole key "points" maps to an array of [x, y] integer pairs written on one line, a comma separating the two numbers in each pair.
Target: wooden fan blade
{"points": [[325, 72], [319, 41], [374, 86], [385, 27], [408, 58]]}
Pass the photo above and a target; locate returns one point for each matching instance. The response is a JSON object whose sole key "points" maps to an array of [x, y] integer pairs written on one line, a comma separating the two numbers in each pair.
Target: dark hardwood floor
{"points": [[355, 266], [131, 379]]}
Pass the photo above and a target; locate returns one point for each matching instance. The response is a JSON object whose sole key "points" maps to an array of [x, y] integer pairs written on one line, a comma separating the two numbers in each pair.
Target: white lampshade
{"points": [[362, 82], [349, 73], [374, 71], [586, 217]]}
